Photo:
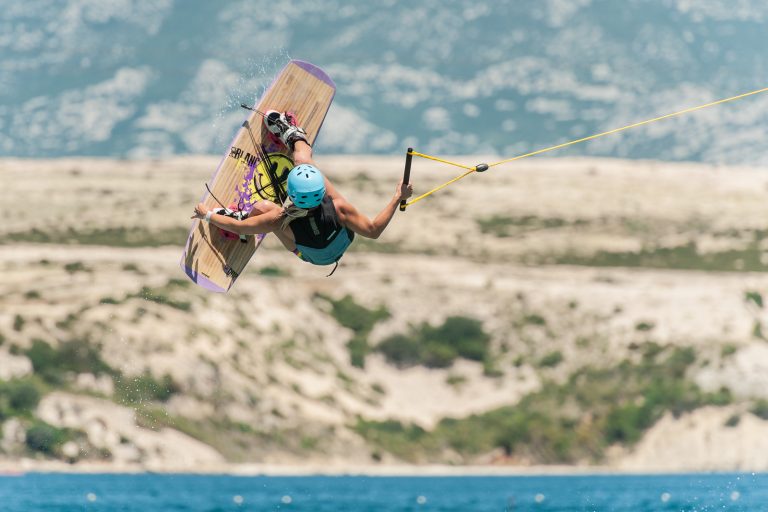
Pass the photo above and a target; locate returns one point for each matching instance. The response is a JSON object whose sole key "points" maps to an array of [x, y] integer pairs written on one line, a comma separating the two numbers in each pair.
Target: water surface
{"points": [[151, 492]]}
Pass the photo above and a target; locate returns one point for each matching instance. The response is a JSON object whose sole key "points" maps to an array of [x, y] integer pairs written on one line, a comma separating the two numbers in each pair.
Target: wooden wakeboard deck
{"points": [[210, 259]]}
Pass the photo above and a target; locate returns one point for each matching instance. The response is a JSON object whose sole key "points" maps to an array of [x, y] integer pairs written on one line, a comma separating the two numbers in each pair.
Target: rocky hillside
{"points": [[570, 312], [149, 78]]}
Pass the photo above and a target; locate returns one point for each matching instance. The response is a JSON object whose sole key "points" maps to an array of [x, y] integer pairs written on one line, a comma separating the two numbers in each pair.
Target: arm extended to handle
{"points": [[406, 174]]}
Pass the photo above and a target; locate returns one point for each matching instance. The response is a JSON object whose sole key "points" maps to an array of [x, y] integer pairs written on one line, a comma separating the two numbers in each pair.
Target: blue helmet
{"points": [[306, 186]]}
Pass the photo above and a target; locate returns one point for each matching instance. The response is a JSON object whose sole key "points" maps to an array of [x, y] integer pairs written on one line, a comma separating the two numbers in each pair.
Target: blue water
{"points": [[150, 493]]}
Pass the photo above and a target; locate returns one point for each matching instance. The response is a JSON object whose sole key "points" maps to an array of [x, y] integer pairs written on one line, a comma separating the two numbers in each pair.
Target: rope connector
{"points": [[481, 167]]}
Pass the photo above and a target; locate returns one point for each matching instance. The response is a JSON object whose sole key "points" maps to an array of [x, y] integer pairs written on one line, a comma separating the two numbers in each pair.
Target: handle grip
{"points": [[406, 174]]}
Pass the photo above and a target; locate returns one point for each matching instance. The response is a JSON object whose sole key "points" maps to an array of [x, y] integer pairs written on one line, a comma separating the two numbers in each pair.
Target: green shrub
{"points": [[23, 395], [393, 436], [401, 350], [144, 388], [760, 409], [360, 320], [455, 380], [44, 358], [644, 326], [82, 357], [115, 236], [754, 298], [18, 397], [75, 266], [438, 347], [309, 443], [490, 369], [464, 335], [18, 323], [686, 256], [651, 350], [438, 355], [358, 350], [356, 317], [534, 319], [551, 359], [721, 397], [538, 434], [77, 356], [626, 423], [273, 271], [378, 389], [45, 438], [679, 361], [504, 226], [131, 267]]}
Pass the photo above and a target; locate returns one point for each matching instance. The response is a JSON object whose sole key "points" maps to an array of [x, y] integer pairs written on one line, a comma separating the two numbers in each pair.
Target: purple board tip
{"points": [[201, 280], [315, 71]]}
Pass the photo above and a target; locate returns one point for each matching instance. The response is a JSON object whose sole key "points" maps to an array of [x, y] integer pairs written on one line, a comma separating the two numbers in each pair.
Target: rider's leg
{"points": [[302, 153]]}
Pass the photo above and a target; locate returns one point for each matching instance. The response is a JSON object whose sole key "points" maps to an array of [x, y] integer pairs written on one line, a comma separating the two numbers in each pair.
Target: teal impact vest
{"points": [[321, 239]]}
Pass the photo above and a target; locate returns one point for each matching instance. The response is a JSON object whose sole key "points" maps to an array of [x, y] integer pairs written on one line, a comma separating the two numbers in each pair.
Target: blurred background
{"points": [[599, 310], [157, 78]]}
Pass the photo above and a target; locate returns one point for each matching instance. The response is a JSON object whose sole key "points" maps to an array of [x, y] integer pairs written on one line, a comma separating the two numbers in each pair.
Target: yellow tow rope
{"points": [[484, 167]]}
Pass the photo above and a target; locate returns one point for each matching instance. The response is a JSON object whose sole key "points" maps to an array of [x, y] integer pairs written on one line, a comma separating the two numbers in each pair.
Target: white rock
{"points": [[13, 367], [114, 428], [70, 449], [100, 384], [14, 435]]}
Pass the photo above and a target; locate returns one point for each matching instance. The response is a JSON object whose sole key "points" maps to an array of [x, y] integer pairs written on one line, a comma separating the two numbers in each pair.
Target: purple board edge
{"points": [[201, 280], [315, 71]]}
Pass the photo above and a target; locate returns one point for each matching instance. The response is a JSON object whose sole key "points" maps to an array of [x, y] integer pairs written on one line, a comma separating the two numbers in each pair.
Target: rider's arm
{"points": [[258, 224], [372, 228]]}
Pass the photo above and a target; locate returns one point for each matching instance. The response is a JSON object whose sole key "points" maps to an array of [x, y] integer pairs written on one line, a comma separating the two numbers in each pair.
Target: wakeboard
{"points": [[255, 167]]}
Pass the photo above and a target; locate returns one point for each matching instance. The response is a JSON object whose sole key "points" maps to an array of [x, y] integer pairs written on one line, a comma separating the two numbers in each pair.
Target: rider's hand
{"points": [[200, 211], [404, 191]]}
